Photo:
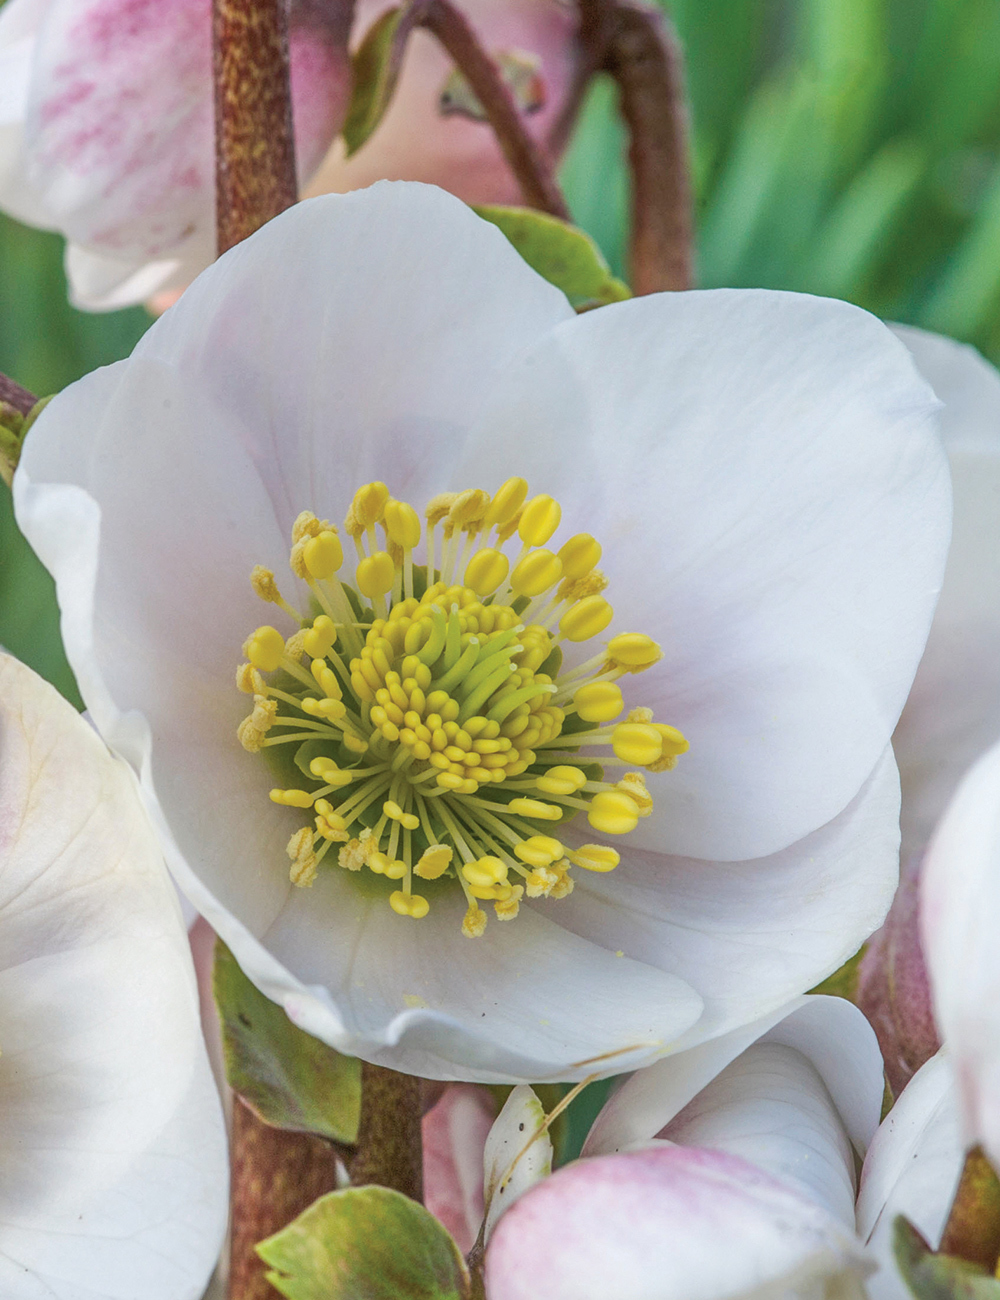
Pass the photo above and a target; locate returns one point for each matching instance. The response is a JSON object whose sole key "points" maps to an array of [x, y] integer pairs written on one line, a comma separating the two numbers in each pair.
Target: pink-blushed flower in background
{"points": [[113, 1168], [912, 1168], [953, 713], [454, 1132], [746, 1190], [763, 472], [421, 138], [107, 128]]}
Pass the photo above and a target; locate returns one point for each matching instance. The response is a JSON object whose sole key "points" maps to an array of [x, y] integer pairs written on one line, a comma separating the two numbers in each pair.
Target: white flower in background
{"points": [[762, 472], [113, 1168], [912, 1168], [747, 1189], [107, 127]]}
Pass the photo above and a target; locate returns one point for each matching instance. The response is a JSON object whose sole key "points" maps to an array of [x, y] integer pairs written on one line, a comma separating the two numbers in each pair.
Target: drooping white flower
{"points": [[107, 128], [764, 476], [747, 1190], [113, 1170]]}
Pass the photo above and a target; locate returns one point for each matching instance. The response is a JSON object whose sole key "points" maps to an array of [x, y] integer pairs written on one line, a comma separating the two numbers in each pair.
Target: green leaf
{"points": [[287, 1077], [938, 1277], [593, 174], [843, 983], [365, 1243], [375, 71], [564, 255]]}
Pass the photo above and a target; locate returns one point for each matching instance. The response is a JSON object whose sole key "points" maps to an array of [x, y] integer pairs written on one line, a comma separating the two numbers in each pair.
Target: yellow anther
{"points": [[402, 523], [320, 639], [292, 798], [375, 575], [579, 555], [356, 853], [438, 507], [637, 742], [356, 744], [300, 851], [486, 570], [474, 922], [507, 501], [561, 780], [265, 649], [537, 572], [539, 850], [263, 583], [249, 680], [599, 701], [307, 525], [468, 509], [595, 857], [485, 872], [369, 503], [591, 584], [634, 785], [409, 904], [434, 863], [613, 813], [539, 520], [323, 555], [393, 810], [295, 646], [633, 651], [587, 618], [264, 712], [506, 531], [507, 908], [546, 812], [674, 741], [249, 736]]}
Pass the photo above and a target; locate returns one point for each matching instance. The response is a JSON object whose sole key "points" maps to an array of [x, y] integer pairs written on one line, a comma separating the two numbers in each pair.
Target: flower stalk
{"points": [[389, 1145], [254, 139], [972, 1231]]}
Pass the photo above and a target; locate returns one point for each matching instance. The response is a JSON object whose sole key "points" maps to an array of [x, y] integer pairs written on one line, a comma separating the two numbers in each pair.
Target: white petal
{"points": [[912, 1168], [959, 905], [953, 713], [750, 936], [112, 1147], [668, 1224], [101, 283], [763, 472], [510, 1166], [713, 1093]]}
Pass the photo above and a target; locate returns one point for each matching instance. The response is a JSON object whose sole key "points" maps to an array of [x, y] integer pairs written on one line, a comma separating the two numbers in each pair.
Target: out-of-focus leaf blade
{"points": [[375, 69], [938, 1277]]}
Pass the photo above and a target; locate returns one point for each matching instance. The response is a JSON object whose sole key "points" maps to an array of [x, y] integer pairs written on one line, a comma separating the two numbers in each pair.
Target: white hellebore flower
{"points": [[763, 475], [745, 1190], [113, 1170]]}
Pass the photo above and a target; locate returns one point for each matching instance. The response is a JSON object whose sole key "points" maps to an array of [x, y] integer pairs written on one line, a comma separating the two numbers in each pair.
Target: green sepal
{"points": [[560, 253], [288, 1078], [843, 983], [938, 1277], [375, 70], [365, 1243]]}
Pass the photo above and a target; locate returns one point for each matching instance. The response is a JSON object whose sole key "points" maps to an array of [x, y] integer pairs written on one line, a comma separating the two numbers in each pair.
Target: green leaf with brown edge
{"points": [[560, 253], [288, 1078], [375, 69], [365, 1243], [938, 1277]]}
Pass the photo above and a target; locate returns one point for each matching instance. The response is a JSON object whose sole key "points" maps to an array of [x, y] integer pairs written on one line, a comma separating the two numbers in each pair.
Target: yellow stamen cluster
{"points": [[427, 706]]}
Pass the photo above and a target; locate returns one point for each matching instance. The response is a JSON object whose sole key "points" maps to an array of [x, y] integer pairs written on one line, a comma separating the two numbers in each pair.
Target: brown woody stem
{"points": [[254, 141], [389, 1148], [14, 395], [972, 1231], [527, 161], [638, 49], [275, 1176]]}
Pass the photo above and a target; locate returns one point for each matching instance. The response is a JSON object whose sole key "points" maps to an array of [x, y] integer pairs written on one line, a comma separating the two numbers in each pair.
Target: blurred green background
{"points": [[842, 147]]}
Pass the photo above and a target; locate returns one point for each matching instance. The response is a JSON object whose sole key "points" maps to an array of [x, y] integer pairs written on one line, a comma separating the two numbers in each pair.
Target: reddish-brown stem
{"points": [[638, 49], [526, 159], [389, 1144], [972, 1231], [12, 394], [275, 1176], [254, 141]]}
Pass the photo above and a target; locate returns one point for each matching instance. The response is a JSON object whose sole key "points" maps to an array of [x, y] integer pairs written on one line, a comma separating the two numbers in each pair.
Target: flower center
{"points": [[425, 711]]}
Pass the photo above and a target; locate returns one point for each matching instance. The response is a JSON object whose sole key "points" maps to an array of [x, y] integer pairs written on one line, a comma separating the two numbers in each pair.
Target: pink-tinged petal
{"points": [[417, 142], [893, 989], [667, 1224], [959, 907], [953, 713], [455, 1132], [912, 1168]]}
